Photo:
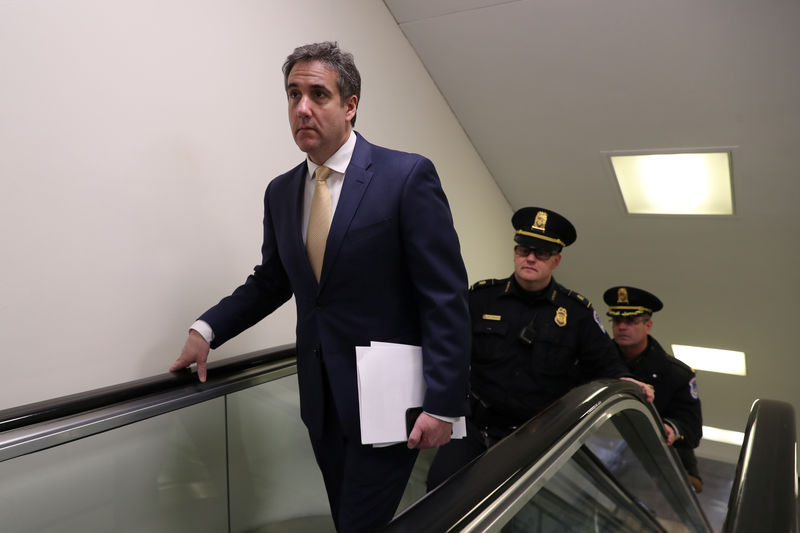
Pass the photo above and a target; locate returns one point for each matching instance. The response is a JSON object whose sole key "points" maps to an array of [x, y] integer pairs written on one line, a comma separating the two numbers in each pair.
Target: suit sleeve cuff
{"points": [[205, 331]]}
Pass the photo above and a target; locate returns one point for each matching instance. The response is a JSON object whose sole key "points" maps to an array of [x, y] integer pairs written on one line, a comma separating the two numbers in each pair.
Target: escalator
{"points": [[596, 462], [593, 461], [169, 454]]}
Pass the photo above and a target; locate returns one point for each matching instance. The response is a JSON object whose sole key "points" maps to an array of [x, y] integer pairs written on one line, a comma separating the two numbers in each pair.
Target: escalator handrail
{"points": [[765, 487], [468, 492], [222, 371]]}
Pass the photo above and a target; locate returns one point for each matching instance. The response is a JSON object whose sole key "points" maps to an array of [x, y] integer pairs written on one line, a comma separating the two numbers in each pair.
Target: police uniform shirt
{"points": [[675, 387], [529, 349]]}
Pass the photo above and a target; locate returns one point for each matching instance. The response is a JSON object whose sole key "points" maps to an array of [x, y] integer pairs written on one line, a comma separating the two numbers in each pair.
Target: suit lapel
{"points": [[356, 179]]}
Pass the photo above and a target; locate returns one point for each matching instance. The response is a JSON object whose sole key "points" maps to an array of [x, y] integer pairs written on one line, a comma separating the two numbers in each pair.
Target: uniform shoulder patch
{"points": [[598, 321], [693, 389]]}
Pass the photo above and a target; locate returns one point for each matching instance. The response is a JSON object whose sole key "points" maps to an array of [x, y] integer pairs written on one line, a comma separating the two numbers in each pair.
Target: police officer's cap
{"points": [[630, 301], [542, 229]]}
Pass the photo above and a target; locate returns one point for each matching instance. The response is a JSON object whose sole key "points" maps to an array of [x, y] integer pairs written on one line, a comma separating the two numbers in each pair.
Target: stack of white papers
{"points": [[390, 381]]}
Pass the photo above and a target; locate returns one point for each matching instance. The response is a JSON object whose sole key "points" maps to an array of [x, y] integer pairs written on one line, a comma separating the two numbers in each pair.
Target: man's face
{"points": [[320, 122], [631, 331], [534, 268]]}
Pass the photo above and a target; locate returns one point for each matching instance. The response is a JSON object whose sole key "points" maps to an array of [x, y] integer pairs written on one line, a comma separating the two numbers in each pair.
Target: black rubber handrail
{"points": [[764, 493], [467, 491], [34, 413]]}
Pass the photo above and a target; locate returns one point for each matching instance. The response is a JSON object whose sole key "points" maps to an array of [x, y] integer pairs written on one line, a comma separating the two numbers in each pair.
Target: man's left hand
{"points": [[670, 434], [647, 390], [429, 432]]}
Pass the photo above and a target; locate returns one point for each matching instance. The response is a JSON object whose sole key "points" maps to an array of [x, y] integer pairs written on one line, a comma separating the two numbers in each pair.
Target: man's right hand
{"points": [[429, 432], [194, 351]]}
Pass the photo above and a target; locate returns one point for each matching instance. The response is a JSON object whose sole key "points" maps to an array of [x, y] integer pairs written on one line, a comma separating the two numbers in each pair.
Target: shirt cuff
{"points": [[205, 331], [451, 419]]}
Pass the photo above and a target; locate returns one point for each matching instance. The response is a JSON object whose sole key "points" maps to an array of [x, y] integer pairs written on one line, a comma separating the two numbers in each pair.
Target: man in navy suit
{"points": [[391, 271]]}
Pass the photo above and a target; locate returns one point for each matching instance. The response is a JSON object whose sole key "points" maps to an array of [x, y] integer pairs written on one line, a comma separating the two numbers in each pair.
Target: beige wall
{"points": [[136, 139]]}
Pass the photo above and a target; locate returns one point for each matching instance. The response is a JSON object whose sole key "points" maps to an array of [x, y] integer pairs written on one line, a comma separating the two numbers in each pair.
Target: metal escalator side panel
{"points": [[764, 496]]}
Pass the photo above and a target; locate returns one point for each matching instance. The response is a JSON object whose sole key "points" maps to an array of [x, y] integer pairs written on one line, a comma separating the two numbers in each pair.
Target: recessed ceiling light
{"points": [[696, 183], [712, 359], [723, 435]]}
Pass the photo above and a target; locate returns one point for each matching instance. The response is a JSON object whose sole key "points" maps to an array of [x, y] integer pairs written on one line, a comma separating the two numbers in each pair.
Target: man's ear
{"points": [[350, 105]]}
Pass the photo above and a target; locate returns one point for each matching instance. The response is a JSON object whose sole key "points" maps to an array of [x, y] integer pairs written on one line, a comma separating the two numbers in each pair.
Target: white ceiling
{"points": [[546, 89]]}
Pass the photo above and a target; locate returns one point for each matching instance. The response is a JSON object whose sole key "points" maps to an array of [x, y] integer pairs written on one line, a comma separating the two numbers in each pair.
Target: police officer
{"points": [[532, 341], [675, 384]]}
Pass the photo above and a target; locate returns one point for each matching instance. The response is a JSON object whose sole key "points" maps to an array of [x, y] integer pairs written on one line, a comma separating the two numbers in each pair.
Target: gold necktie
{"points": [[319, 220]]}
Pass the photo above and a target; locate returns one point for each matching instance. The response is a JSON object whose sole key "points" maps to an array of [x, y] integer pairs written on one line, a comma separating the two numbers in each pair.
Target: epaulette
{"points": [[580, 298], [482, 284], [677, 362]]}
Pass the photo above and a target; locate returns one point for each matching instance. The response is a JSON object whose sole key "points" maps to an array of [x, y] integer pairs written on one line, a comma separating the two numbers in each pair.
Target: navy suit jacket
{"points": [[392, 272]]}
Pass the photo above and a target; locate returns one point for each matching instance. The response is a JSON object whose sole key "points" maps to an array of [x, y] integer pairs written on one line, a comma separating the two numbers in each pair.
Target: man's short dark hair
{"points": [[348, 78]]}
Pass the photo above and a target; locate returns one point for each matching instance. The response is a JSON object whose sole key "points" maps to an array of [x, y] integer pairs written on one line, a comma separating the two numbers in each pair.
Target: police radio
{"points": [[528, 333]]}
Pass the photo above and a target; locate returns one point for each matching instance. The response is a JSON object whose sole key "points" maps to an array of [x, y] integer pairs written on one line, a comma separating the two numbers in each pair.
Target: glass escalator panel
{"points": [[580, 497]]}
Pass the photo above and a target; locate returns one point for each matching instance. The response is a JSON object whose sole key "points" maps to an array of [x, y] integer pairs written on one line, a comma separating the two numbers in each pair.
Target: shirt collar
{"points": [[339, 161], [548, 293]]}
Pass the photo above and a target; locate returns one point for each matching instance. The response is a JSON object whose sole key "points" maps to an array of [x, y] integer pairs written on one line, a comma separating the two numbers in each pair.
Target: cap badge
{"points": [[561, 317], [540, 221], [622, 296]]}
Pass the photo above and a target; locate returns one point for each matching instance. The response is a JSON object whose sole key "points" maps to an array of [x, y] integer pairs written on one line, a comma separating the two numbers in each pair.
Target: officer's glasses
{"points": [[628, 320], [541, 255]]}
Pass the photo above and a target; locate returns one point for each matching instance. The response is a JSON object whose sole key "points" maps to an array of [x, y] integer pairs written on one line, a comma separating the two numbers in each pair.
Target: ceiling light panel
{"points": [[723, 435], [712, 359], [697, 183]]}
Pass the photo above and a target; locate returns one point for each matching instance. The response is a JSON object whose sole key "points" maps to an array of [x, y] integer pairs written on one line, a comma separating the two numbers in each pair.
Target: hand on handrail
{"points": [[195, 350], [647, 390]]}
